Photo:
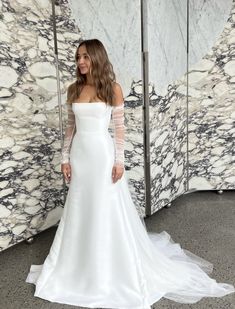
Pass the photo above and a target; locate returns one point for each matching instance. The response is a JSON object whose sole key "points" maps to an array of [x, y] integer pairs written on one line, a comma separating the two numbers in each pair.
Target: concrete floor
{"points": [[202, 222]]}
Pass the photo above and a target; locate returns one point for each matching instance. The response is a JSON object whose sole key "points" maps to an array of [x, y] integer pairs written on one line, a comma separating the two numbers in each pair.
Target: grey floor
{"points": [[202, 222]]}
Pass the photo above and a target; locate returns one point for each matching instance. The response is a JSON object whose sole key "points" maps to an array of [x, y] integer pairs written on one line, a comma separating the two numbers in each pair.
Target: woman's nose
{"points": [[80, 61]]}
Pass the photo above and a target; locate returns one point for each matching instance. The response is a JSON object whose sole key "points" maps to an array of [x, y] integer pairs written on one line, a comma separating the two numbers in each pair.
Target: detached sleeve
{"points": [[119, 133], [70, 131]]}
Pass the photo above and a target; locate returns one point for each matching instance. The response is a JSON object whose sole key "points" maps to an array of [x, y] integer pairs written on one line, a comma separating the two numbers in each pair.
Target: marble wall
{"points": [[192, 135], [167, 36], [211, 131], [168, 118], [31, 184]]}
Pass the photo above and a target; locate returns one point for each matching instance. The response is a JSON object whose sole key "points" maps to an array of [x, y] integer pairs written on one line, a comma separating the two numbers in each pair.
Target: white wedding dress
{"points": [[102, 255]]}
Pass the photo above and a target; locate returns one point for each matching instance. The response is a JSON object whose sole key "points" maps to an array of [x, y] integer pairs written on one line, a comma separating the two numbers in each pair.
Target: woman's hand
{"points": [[117, 172], [66, 170]]}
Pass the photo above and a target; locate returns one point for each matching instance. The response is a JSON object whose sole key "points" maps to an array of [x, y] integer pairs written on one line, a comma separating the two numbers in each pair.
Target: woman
{"points": [[102, 255]]}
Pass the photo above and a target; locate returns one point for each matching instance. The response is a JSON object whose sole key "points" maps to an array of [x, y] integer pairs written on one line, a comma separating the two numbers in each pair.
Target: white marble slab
{"points": [[167, 32]]}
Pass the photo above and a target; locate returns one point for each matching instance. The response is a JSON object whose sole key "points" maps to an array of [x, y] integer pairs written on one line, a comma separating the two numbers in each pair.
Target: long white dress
{"points": [[102, 255]]}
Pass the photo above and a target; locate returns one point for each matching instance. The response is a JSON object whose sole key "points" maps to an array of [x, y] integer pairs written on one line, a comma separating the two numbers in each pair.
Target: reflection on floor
{"points": [[202, 222]]}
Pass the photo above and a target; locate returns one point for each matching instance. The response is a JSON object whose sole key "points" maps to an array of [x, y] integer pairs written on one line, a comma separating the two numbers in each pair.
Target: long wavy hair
{"points": [[101, 71]]}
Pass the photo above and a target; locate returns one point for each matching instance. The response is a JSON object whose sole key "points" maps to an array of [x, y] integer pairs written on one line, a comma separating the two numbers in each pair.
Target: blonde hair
{"points": [[101, 72]]}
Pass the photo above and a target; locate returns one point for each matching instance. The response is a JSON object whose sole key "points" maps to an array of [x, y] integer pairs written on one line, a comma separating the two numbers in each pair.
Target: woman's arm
{"points": [[70, 131], [119, 128]]}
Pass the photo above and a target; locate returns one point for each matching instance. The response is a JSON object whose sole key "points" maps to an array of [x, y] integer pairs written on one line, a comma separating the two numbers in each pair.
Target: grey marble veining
{"points": [[212, 114], [134, 150], [168, 140]]}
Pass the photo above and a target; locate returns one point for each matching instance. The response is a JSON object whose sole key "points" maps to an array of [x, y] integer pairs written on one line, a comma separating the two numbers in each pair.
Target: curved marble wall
{"points": [[194, 151], [211, 101]]}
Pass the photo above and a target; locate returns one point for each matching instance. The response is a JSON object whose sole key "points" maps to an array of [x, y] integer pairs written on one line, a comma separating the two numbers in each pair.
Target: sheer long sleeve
{"points": [[119, 133], [70, 131]]}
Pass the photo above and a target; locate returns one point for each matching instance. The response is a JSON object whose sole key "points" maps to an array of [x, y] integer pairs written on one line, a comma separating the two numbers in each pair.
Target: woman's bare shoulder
{"points": [[117, 87], [118, 94]]}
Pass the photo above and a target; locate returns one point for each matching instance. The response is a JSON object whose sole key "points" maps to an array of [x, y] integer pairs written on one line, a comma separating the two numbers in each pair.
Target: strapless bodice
{"points": [[92, 117]]}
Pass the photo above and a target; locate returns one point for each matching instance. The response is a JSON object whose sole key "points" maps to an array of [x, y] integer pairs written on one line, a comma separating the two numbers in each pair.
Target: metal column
{"points": [[145, 79]]}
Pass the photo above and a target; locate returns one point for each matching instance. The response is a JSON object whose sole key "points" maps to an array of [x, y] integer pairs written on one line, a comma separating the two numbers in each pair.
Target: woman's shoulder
{"points": [[117, 87], [71, 92], [118, 95]]}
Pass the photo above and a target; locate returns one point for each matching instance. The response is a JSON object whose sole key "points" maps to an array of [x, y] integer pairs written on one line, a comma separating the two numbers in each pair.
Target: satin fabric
{"points": [[102, 255]]}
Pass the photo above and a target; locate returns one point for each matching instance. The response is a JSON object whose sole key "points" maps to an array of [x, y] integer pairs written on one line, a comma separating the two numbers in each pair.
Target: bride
{"points": [[102, 255]]}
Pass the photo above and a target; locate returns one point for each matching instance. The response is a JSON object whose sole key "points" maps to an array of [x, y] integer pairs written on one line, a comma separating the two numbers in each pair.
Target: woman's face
{"points": [[83, 60]]}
